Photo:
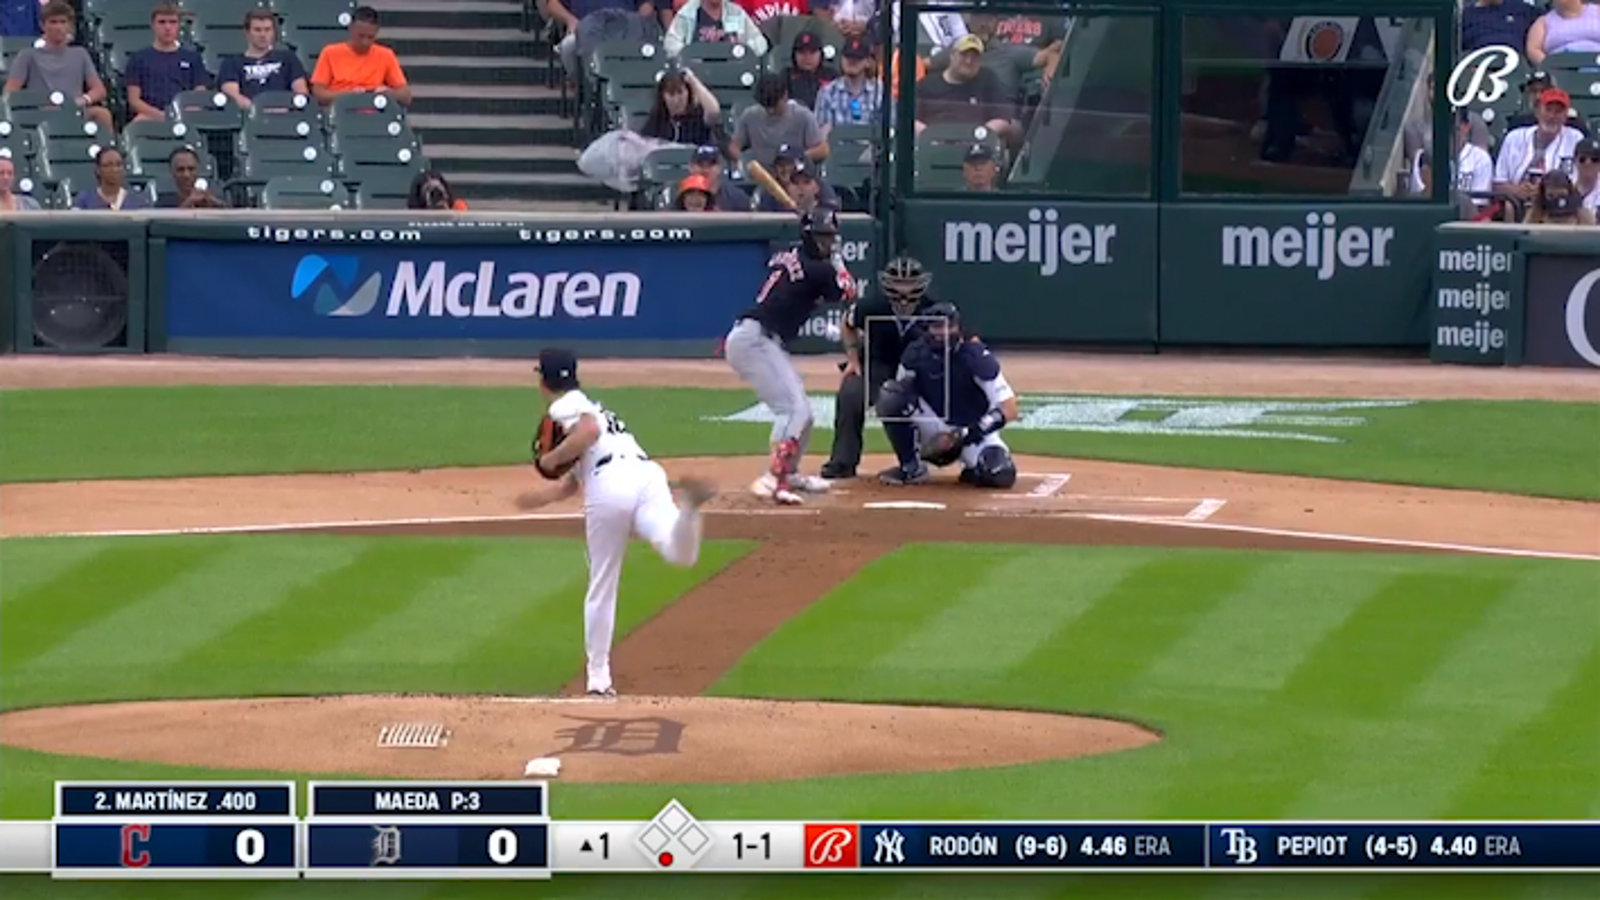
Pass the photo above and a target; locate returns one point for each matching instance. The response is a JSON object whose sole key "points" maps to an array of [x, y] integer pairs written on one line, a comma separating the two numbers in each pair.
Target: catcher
{"points": [[948, 403], [583, 446]]}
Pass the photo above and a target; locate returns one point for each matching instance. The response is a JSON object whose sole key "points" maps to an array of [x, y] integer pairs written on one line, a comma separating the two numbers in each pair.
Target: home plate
{"points": [[902, 504]]}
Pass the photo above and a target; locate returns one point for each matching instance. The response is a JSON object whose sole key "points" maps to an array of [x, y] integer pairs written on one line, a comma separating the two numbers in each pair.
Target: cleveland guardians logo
{"points": [[833, 846], [1577, 318], [134, 856]]}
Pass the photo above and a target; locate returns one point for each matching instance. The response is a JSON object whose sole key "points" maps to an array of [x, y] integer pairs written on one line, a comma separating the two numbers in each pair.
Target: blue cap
{"points": [[558, 368]]}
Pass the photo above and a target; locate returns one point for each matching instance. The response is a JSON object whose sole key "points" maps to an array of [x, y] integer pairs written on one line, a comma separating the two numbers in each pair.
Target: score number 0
{"points": [[502, 847], [250, 846]]}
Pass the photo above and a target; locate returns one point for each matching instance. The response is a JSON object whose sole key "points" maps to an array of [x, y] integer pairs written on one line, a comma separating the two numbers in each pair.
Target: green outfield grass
{"points": [[1289, 685], [1312, 685], [1523, 447]]}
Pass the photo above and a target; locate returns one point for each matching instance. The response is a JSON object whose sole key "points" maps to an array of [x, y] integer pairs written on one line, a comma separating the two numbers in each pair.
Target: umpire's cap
{"points": [[558, 368]]}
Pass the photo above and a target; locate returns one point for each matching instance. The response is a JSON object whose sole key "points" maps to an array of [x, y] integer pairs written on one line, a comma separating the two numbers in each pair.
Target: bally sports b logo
{"points": [[331, 283], [1492, 64]]}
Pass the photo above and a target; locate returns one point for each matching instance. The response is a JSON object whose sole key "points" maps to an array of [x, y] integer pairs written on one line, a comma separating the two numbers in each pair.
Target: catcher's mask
{"points": [[558, 369], [904, 283], [943, 325]]}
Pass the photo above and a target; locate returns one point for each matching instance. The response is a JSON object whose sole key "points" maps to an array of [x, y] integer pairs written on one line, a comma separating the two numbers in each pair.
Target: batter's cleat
{"points": [[808, 484], [607, 694], [767, 487], [837, 471], [696, 492], [904, 475]]}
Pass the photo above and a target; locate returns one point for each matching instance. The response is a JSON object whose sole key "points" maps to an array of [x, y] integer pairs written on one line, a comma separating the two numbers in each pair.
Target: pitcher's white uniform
{"points": [[623, 493]]}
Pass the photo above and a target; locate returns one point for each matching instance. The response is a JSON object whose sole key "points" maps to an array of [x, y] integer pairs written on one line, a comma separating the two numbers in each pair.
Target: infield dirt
{"points": [[662, 665]]}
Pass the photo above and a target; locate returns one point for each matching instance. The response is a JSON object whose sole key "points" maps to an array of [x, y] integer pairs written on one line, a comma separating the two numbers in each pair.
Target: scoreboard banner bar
{"points": [[26, 847], [225, 848], [700, 846], [427, 848], [1407, 846], [479, 799], [150, 799]]}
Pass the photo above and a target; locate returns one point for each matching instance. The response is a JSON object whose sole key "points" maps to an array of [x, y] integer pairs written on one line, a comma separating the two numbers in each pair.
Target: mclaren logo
{"points": [[330, 282]]}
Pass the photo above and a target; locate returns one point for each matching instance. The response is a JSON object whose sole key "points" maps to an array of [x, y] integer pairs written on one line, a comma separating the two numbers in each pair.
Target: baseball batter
{"points": [[948, 403], [624, 493], [875, 332], [798, 279]]}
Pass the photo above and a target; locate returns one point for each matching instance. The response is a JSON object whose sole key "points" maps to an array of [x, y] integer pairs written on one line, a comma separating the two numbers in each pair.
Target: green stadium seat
{"points": [[373, 110], [270, 161], [18, 140], [206, 110], [666, 165], [375, 198], [295, 192], [728, 79], [308, 42], [721, 51], [608, 53], [160, 179], [220, 41], [370, 127], [286, 105], [341, 142], [29, 108], [1558, 63], [64, 139], [332, 15], [223, 13], [12, 44]]}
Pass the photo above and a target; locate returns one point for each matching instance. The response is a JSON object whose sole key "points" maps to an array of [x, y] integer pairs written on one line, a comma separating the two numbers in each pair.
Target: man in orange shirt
{"points": [[360, 64]]}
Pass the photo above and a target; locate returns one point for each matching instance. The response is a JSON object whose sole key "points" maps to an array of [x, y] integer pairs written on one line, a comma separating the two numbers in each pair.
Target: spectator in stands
{"points": [[965, 93], [684, 112], [264, 66], [1496, 23], [1571, 26], [806, 73], [1588, 184], [1030, 31], [776, 120], [763, 11], [1538, 82], [1528, 154], [20, 18], [711, 22], [164, 69], [1557, 202], [725, 196], [695, 195], [58, 66], [572, 13], [185, 166], [801, 183], [851, 17], [203, 200], [1473, 170], [1009, 62], [852, 98], [12, 202], [980, 171], [359, 65], [111, 186], [430, 190]]}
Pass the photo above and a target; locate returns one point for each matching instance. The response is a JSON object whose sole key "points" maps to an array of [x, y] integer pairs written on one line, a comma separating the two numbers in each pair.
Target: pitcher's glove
{"points": [[547, 438]]}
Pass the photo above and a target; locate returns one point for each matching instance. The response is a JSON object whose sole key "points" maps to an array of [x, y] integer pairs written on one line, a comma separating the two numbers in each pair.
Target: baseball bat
{"points": [[770, 184]]}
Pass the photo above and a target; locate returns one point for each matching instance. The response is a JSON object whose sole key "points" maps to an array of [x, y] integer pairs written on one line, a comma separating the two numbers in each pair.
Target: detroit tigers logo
{"points": [[1493, 64]]}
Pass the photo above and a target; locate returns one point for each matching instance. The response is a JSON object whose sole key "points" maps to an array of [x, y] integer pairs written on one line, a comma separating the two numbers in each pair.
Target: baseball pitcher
{"points": [[798, 279], [584, 446], [947, 404]]}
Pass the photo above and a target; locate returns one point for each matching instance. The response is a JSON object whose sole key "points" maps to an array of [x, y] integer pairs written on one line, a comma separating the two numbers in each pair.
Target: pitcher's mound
{"points": [[633, 739]]}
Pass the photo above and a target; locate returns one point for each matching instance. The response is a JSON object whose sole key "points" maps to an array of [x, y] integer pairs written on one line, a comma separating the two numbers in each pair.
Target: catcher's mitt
{"points": [[547, 438], [943, 448]]}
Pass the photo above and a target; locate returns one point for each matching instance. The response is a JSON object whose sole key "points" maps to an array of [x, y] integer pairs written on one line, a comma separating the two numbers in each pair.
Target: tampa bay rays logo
{"points": [[331, 283]]}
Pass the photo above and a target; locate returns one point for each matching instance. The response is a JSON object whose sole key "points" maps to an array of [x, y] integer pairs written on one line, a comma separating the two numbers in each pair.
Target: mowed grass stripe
{"points": [[1351, 681], [125, 653], [1093, 660], [26, 563], [1549, 766], [828, 650], [1497, 677], [1260, 633], [448, 618], [382, 576], [34, 621], [997, 622]]}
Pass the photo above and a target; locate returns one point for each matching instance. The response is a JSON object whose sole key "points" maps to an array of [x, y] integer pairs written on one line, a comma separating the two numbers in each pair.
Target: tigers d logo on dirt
{"points": [[643, 736]]}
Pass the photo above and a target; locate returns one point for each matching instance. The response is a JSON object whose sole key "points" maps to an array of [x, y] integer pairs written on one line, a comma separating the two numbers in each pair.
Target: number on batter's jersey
{"points": [[613, 424]]}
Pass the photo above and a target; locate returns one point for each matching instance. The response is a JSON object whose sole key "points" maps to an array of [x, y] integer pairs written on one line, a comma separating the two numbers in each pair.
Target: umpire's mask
{"points": [[904, 283]]}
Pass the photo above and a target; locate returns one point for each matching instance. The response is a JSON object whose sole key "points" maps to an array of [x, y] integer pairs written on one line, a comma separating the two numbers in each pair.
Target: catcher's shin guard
{"points": [[896, 402], [995, 469]]}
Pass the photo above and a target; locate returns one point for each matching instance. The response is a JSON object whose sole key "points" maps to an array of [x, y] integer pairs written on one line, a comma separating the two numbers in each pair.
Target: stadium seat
{"points": [[729, 79], [852, 158], [220, 41], [206, 110], [939, 166], [225, 13], [1558, 63], [274, 158], [373, 109], [382, 197], [356, 126], [296, 192], [150, 146], [18, 140], [332, 15], [340, 141], [29, 108], [286, 104], [308, 42], [365, 160], [160, 178], [720, 51]]}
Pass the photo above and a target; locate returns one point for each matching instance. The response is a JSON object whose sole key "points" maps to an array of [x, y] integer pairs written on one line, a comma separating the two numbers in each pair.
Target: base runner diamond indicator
{"points": [[674, 839]]}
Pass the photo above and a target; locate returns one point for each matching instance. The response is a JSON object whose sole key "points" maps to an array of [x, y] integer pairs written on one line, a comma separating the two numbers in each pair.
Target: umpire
{"points": [[886, 322]]}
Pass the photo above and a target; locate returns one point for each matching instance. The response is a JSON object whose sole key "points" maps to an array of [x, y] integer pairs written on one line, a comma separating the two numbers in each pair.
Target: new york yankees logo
{"points": [[1492, 63]]}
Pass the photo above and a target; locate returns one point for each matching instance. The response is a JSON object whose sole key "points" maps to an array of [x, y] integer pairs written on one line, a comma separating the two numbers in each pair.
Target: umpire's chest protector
{"points": [[962, 368]]}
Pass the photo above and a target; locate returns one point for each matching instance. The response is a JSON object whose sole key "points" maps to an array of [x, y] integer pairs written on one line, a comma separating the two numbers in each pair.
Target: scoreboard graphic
{"points": [[503, 830]]}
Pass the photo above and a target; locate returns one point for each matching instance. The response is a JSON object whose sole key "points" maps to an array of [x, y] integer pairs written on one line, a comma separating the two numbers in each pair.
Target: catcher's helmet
{"points": [[819, 230], [945, 323], [904, 282]]}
